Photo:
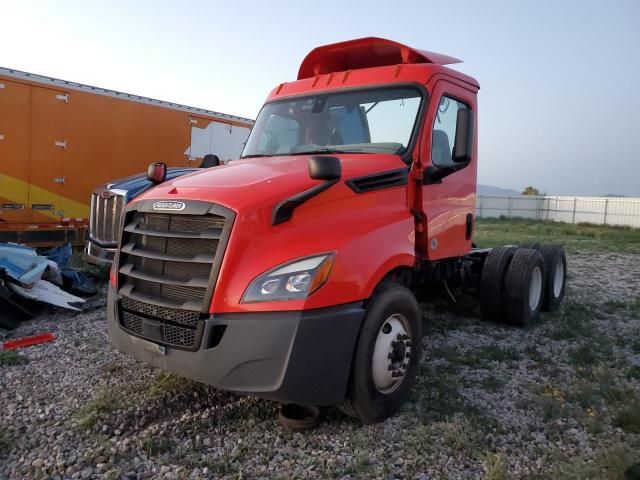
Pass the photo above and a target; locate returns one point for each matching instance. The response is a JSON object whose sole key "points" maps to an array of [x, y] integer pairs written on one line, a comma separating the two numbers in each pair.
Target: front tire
{"points": [[387, 355]]}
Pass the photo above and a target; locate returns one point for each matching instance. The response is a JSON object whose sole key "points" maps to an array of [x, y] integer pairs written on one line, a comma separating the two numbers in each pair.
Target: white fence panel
{"points": [[597, 210]]}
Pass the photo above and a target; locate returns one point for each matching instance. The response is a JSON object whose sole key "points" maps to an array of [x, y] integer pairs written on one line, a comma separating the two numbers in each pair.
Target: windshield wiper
{"points": [[256, 155], [325, 150]]}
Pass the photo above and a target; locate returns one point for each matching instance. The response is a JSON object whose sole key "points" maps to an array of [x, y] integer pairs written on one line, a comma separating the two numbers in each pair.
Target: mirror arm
{"points": [[434, 174], [283, 211]]}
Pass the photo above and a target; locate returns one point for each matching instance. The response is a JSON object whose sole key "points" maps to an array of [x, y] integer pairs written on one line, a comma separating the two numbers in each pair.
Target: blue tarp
{"points": [[75, 281], [60, 255]]}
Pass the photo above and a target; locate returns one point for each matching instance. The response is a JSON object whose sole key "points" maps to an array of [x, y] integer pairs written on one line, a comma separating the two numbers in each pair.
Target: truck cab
{"points": [[292, 272]]}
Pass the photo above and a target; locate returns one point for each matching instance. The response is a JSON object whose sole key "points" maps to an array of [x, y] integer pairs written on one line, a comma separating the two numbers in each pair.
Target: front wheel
{"points": [[387, 355]]}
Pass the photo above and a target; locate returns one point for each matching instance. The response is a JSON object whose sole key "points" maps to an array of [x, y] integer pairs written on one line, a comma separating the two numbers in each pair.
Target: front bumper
{"points": [[295, 357], [97, 255]]}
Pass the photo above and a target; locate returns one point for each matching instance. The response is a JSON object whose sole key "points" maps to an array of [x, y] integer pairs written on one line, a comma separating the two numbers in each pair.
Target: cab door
{"points": [[449, 204], [15, 100], [48, 175]]}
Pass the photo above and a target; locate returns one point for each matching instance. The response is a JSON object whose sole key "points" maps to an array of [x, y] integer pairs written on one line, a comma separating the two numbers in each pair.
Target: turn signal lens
{"points": [[322, 274]]}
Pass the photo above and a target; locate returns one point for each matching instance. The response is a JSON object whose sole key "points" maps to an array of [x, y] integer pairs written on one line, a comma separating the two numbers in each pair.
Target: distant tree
{"points": [[530, 190]]}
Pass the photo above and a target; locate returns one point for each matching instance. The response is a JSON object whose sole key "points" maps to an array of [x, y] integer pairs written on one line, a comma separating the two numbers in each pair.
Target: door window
{"points": [[444, 131]]}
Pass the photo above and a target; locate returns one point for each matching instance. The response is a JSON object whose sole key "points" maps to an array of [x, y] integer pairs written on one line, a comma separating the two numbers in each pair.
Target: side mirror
{"points": [[210, 160], [463, 146], [324, 167], [157, 172]]}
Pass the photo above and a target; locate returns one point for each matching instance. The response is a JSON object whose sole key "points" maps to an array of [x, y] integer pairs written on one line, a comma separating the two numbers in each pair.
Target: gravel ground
{"points": [[556, 400]]}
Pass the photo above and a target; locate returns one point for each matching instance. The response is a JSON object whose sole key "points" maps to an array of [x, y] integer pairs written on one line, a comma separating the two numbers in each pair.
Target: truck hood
{"points": [[257, 182], [134, 184]]}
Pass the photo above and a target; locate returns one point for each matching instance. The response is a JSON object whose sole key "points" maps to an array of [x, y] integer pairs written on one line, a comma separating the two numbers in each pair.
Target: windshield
{"points": [[362, 121]]}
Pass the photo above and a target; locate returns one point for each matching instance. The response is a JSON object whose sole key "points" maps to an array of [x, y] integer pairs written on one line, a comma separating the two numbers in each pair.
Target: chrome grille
{"points": [[169, 257], [104, 220], [167, 268]]}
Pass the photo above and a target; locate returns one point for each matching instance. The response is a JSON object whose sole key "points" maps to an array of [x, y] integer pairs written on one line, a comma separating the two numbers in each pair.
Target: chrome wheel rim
{"points": [[558, 278], [391, 354], [535, 288]]}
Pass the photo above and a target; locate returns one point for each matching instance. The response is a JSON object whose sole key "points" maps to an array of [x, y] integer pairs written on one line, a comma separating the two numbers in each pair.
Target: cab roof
{"points": [[365, 53], [369, 61]]}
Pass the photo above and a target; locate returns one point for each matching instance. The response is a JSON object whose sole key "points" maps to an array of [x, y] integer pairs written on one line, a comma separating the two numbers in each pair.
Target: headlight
{"points": [[291, 281]]}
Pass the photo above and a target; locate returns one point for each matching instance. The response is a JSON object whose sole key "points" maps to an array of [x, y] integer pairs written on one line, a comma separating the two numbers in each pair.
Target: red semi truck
{"points": [[294, 273]]}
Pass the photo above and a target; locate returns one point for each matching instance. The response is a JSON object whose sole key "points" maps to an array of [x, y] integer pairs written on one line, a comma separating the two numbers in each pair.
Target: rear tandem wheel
{"points": [[555, 264], [524, 287], [492, 282]]}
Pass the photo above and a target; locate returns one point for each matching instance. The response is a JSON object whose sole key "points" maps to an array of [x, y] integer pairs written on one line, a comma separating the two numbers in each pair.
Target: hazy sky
{"points": [[559, 100]]}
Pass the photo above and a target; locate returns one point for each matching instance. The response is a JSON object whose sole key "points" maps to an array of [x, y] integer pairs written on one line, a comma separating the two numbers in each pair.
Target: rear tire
{"points": [[555, 263], [375, 393], [492, 282], [531, 245], [524, 287]]}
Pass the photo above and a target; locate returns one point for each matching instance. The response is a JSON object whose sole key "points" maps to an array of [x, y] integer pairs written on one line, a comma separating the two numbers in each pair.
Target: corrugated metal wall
{"points": [[597, 210]]}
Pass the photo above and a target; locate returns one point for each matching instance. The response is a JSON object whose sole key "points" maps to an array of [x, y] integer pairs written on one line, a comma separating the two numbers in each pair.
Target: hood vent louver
{"points": [[377, 181]]}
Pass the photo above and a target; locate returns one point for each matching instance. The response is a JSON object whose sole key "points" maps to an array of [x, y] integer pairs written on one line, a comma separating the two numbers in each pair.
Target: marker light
{"points": [[157, 172]]}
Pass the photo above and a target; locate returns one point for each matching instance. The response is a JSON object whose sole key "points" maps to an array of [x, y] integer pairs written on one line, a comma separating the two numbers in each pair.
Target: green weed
{"points": [[613, 464], [11, 357], [573, 320], [156, 446], [91, 412], [628, 418]]}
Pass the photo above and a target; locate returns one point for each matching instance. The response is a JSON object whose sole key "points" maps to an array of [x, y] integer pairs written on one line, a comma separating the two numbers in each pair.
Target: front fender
{"points": [[370, 234], [364, 261]]}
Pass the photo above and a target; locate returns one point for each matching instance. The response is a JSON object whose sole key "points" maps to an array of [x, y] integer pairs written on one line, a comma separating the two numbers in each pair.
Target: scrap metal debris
{"points": [[28, 279], [47, 292], [22, 264]]}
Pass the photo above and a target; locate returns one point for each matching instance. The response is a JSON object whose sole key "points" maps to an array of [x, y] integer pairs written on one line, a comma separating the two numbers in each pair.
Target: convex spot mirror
{"points": [[463, 145], [325, 167], [157, 172]]}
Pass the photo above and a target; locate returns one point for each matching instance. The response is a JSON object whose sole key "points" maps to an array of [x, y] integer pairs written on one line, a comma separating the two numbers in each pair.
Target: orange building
{"points": [[60, 139]]}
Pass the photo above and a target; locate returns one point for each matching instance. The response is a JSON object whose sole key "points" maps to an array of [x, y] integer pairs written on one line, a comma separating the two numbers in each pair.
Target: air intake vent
{"points": [[368, 183]]}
